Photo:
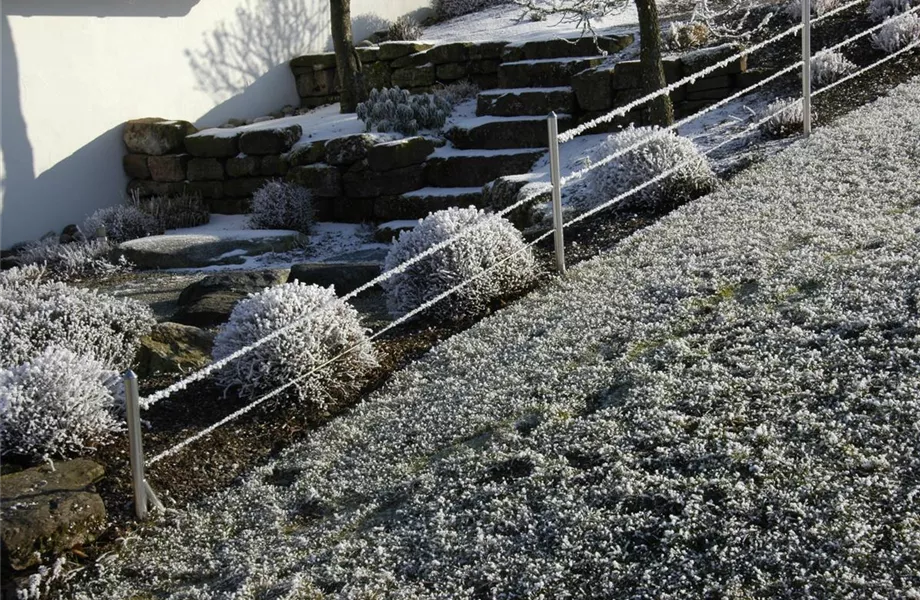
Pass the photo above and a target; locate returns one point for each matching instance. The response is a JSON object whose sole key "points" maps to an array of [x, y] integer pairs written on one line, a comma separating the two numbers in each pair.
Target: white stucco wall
{"points": [[73, 71]]}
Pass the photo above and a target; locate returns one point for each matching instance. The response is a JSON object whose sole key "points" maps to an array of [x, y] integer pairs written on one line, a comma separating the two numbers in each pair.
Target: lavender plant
{"points": [[122, 223], [899, 32], [405, 28], [829, 66], [394, 109], [282, 205]]}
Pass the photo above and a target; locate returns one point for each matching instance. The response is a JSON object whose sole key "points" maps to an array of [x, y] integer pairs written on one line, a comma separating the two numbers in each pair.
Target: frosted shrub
{"points": [[788, 120], [879, 10], [829, 66], [663, 151], [57, 404], [491, 239], [404, 28], [174, 212], [448, 9], [326, 327], [818, 8], [684, 36], [77, 260], [122, 223], [393, 109], [282, 205], [897, 33], [35, 316], [458, 91], [26, 275]]}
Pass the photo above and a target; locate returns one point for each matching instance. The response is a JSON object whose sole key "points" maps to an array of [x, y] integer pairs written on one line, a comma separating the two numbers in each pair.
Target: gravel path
{"points": [[726, 405]]}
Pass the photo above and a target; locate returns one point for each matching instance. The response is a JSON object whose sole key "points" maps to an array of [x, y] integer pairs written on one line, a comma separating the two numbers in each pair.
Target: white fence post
{"points": [[143, 495], [555, 174], [806, 67]]}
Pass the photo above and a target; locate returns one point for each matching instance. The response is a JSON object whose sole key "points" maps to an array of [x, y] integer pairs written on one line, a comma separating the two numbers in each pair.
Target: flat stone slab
{"points": [[181, 251], [46, 512]]}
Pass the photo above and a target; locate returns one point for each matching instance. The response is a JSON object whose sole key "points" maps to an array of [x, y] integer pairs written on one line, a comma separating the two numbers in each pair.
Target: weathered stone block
{"points": [[146, 188], [393, 50], [208, 302], [209, 190], [413, 60], [370, 184], [229, 206], [593, 89], [270, 141], [46, 512], [317, 62], [348, 149], [135, 166], [307, 153], [273, 165], [398, 154], [583, 46], [243, 166], [168, 167], [212, 146], [205, 169], [317, 83], [696, 61], [452, 71], [449, 53], [543, 74], [713, 94], [414, 76], [484, 67], [710, 83], [368, 55], [486, 50], [243, 187], [505, 191], [353, 210], [321, 179], [377, 75], [156, 136]]}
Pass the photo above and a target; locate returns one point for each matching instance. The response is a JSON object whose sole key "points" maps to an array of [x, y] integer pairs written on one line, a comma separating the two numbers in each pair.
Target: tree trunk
{"points": [[660, 111], [346, 59]]}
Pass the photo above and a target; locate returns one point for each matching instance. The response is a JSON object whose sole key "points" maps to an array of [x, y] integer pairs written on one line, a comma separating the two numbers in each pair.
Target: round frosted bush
{"points": [[662, 152], [36, 315], [897, 33], [787, 117], [57, 404], [829, 66], [281, 205], [405, 29], [324, 327], [879, 10], [122, 223], [490, 240]]}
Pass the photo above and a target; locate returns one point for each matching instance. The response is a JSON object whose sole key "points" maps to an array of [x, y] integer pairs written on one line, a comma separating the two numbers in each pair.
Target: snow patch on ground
{"points": [[324, 123]]}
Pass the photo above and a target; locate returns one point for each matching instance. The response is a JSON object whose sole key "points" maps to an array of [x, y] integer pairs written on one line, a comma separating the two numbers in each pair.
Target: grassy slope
{"points": [[726, 404]]}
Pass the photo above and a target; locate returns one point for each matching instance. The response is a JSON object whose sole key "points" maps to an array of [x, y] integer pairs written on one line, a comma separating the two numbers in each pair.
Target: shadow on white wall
{"points": [[98, 8]]}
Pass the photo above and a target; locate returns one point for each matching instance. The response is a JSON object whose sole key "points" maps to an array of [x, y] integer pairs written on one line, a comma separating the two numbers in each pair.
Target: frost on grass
{"points": [[786, 117], [725, 405], [879, 10], [664, 151], [37, 314], [478, 256], [122, 223], [76, 260], [828, 66], [282, 205], [325, 328], [57, 404], [897, 33]]}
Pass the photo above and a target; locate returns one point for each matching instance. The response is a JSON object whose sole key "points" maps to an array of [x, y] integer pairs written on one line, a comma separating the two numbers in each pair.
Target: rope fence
{"points": [[144, 495]]}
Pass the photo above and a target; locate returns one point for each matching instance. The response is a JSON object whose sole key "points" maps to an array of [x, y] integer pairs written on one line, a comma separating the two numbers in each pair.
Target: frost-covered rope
{"points": [[607, 159], [249, 407], [569, 135]]}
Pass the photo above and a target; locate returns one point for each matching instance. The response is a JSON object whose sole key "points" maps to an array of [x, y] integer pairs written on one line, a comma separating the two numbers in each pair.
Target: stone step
{"points": [[418, 204], [515, 102], [493, 133], [566, 47], [554, 72], [449, 167]]}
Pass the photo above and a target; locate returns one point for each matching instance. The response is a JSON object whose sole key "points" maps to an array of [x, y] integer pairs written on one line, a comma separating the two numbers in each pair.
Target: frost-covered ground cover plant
{"points": [[36, 314], [282, 205], [121, 223], [818, 8], [686, 35], [325, 328], [725, 405], [57, 404], [76, 260], [897, 33], [458, 91], [828, 66], [405, 28], [493, 256], [879, 10], [787, 117], [665, 151], [394, 109]]}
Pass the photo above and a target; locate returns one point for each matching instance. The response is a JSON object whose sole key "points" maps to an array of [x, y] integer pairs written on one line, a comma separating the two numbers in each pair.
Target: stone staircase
{"points": [[509, 132]]}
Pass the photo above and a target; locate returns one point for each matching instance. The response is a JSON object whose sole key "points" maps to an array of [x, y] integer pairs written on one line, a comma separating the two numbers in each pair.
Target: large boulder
{"points": [[168, 167], [214, 145], [48, 511], [183, 251], [135, 166], [349, 149], [400, 153], [156, 136], [414, 77], [173, 348], [209, 302], [270, 141], [392, 50], [345, 276], [505, 191], [307, 153], [593, 88], [371, 184], [321, 179]]}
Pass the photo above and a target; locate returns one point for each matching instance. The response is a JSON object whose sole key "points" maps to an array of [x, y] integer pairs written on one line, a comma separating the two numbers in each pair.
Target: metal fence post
{"points": [[806, 67], [135, 444], [555, 174]]}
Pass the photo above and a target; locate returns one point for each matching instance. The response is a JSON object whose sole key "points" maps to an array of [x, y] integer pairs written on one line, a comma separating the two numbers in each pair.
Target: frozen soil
{"points": [[723, 405]]}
